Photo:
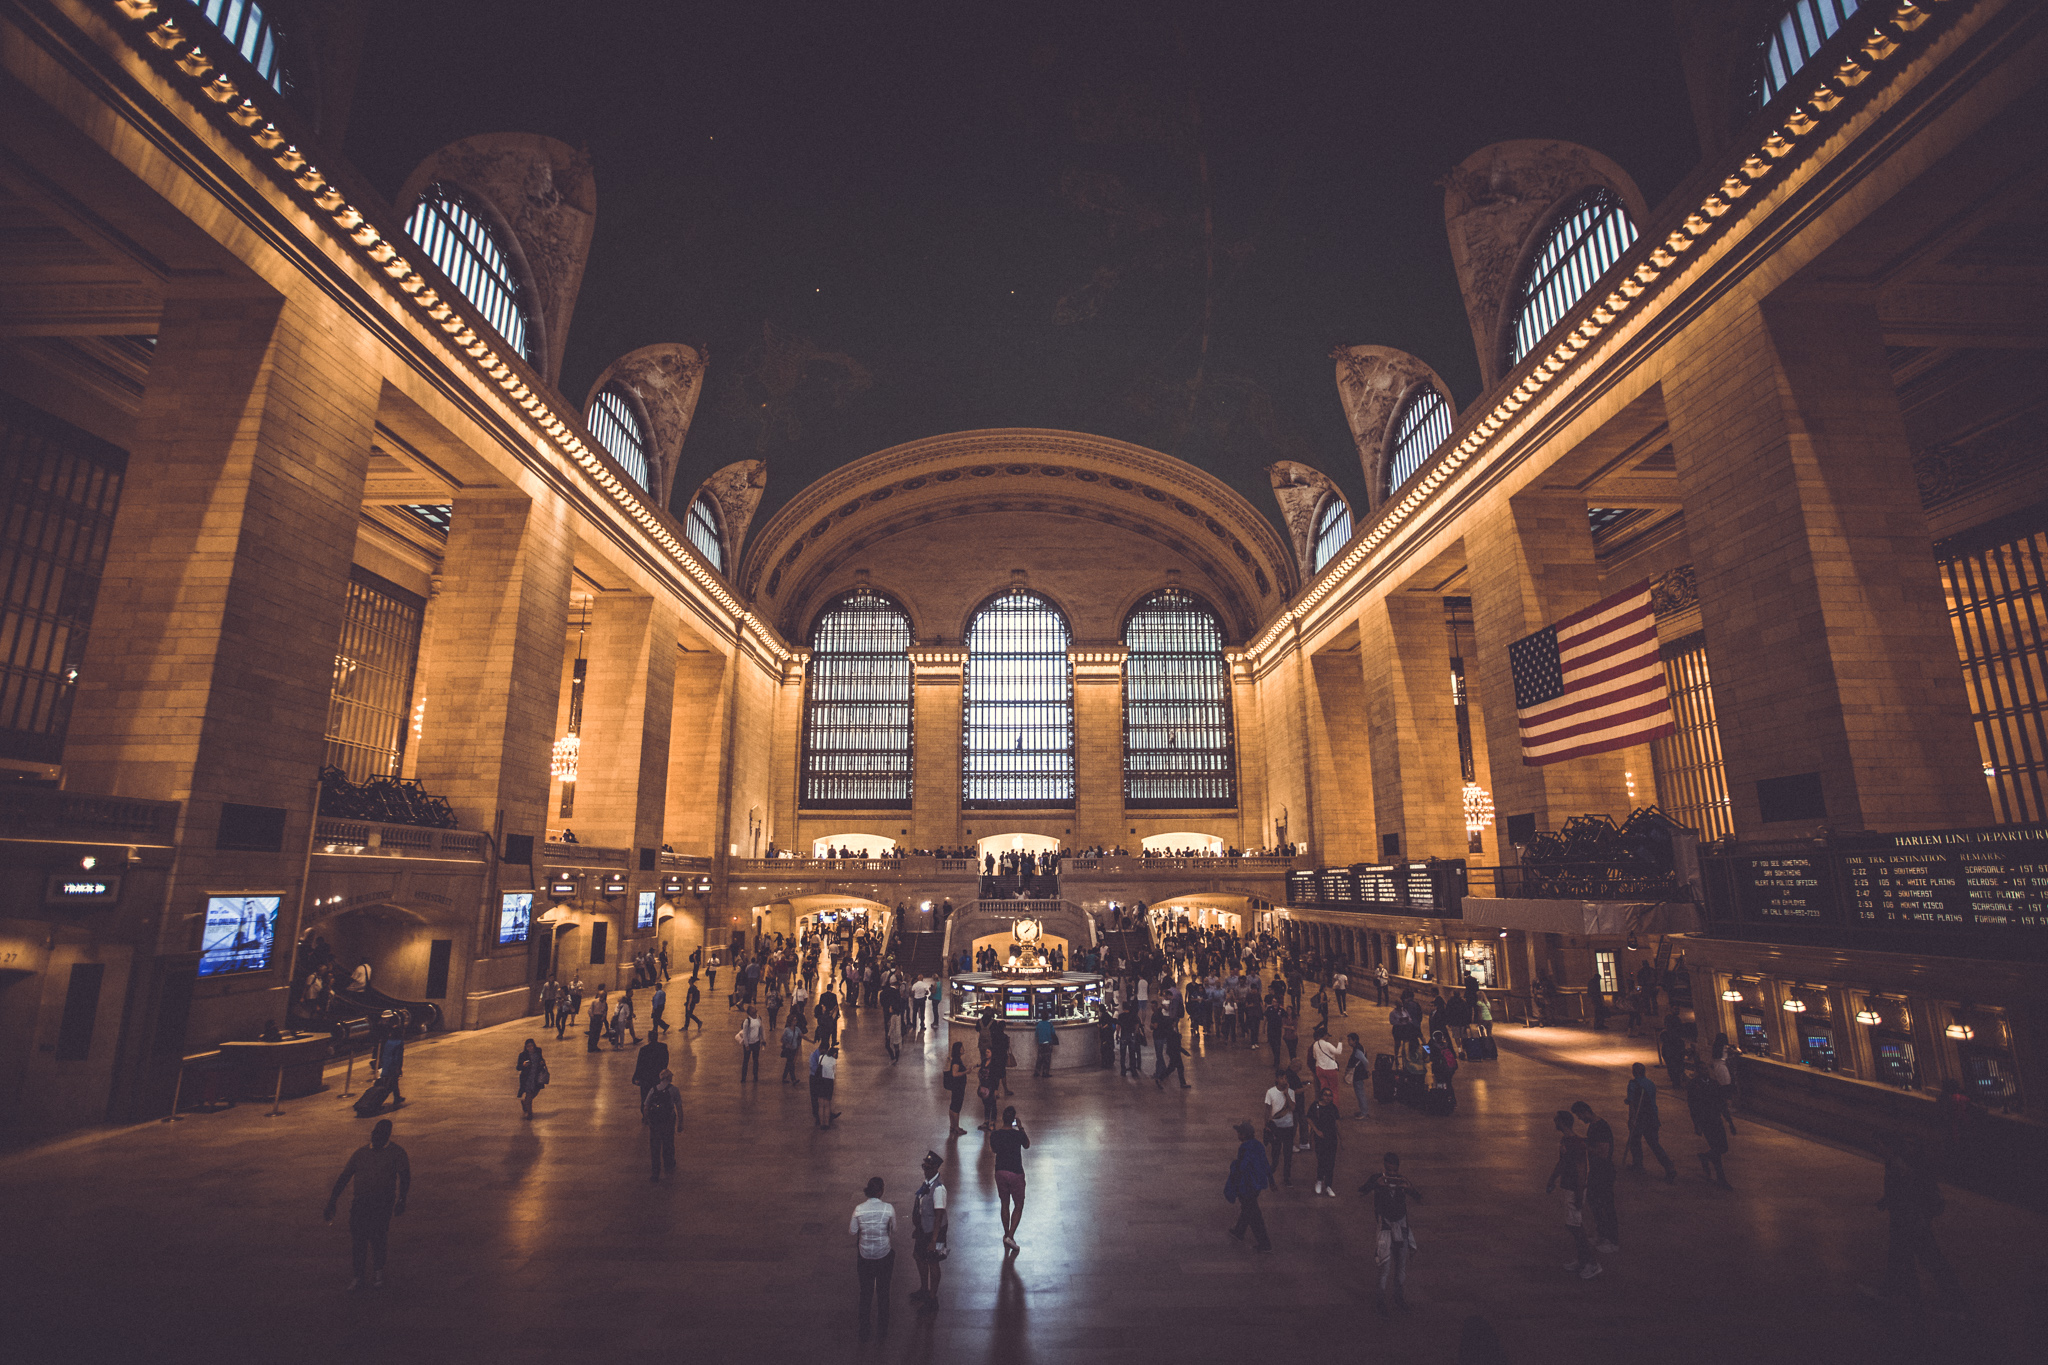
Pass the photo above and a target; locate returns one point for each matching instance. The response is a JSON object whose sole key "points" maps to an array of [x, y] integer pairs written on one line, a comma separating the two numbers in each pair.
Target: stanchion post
{"points": [[177, 1092], [277, 1100], [348, 1082]]}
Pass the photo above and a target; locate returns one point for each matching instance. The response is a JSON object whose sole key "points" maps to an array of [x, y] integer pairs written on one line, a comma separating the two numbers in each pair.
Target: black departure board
{"points": [[1376, 883], [1337, 886], [1434, 888], [1987, 880], [1301, 888]]}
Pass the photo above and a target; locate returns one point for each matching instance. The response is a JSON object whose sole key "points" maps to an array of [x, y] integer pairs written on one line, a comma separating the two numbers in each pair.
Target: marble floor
{"points": [[543, 1240]]}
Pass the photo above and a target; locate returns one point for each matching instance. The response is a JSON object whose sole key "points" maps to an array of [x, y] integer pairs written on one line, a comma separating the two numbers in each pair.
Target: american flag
{"points": [[1592, 682]]}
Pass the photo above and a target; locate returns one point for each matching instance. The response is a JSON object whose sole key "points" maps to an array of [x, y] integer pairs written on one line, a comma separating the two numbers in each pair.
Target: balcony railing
{"points": [[1576, 882], [47, 813], [373, 839], [1130, 866]]}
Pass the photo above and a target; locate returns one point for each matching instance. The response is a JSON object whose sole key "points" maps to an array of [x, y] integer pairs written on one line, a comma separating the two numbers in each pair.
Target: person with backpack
{"points": [[391, 1058], [1250, 1175], [928, 1232], [649, 1065], [824, 1076], [662, 1112], [533, 1075], [1391, 1194], [1358, 1064]]}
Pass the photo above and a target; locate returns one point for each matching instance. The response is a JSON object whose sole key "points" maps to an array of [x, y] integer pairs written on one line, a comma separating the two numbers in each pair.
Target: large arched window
{"points": [[702, 529], [1020, 705], [1333, 530], [857, 704], [1424, 424], [1583, 242], [458, 237], [1177, 749], [617, 428], [253, 33], [1792, 41]]}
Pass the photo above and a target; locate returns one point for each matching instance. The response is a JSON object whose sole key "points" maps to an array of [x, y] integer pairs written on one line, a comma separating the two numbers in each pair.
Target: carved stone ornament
{"points": [[737, 490], [1497, 199], [666, 378], [1300, 490], [1372, 383], [545, 193], [1947, 472], [1674, 590]]}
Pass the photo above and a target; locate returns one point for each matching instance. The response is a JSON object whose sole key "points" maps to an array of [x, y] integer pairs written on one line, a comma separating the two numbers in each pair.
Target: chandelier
{"points": [[1478, 809], [567, 749]]}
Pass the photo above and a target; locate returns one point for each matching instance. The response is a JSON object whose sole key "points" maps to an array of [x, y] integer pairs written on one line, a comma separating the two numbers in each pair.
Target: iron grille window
{"points": [[1020, 705], [457, 237], [1692, 784], [253, 33], [1177, 740], [1998, 606], [857, 732], [1791, 42], [58, 491], [437, 516], [1424, 424], [1333, 530], [618, 430], [1582, 243], [702, 528], [373, 668], [1600, 519]]}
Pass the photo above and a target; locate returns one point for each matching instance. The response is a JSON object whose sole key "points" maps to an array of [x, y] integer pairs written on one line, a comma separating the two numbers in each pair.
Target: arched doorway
{"points": [[852, 846], [1183, 843]]}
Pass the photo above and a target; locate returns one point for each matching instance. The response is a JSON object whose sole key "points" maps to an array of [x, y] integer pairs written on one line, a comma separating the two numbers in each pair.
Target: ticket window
{"points": [[1892, 1055], [1816, 1043], [1989, 1079], [1751, 1034]]}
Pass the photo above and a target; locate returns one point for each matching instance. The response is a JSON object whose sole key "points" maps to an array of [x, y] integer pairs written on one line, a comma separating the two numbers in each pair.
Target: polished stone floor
{"points": [[543, 1240]]}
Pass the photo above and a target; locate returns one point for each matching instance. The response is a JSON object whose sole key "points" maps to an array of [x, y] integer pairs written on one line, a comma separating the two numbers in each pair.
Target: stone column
{"points": [[938, 690], [1532, 565], [1834, 666], [696, 741], [1342, 789], [1098, 743], [628, 702], [211, 661], [1412, 726]]}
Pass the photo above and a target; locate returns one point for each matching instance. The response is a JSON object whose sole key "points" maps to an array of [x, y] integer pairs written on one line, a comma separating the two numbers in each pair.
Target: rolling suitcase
{"points": [[1439, 1100], [372, 1099], [1480, 1048], [1384, 1081]]}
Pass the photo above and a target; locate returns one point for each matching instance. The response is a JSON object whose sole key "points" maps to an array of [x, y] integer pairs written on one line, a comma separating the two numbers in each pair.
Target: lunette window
{"points": [[1333, 530], [1792, 41], [1019, 712], [1424, 424], [857, 718], [702, 529], [1583, 242], [457, 236], [1177, 741], [617, 428]]}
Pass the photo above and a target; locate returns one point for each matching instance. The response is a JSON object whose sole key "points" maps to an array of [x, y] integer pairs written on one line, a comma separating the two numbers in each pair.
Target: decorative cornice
{"points": [[1861, 53], [187, 61]]}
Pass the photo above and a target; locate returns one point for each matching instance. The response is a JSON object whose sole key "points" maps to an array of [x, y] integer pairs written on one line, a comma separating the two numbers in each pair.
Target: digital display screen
{"points": [[515, 917], [240, 933], [1016, 1005], [645, 918]]}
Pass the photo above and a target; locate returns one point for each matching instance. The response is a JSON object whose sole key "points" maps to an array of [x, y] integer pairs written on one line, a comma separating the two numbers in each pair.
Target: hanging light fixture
{"points": [[1794, 1005], [1731, 995], [1960, 1031], [567, 748], [1478, 809], [1868, 1014]]}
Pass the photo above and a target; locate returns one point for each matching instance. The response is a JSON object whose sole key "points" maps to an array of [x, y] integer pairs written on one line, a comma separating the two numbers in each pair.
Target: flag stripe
{"points": [[1601, 746], [1578, 662], [1592, 682], [1621, 714], [1592, 708]]}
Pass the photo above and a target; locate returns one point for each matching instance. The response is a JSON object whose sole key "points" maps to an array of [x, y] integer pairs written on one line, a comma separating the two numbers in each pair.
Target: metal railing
{"points": [[47, 813], [1576, 882], [368, 838]]}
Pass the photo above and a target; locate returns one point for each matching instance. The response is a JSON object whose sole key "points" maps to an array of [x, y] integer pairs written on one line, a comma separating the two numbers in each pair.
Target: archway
{"points": [[999, 844], [411, 957], [1181, 842], [853, 845]]}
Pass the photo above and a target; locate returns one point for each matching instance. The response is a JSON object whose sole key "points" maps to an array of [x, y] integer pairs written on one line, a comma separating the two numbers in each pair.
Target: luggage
{"points": [[1413, 1089], [1439, 1100], [1384, 1079], [372, 1099], [1480, 1048]]}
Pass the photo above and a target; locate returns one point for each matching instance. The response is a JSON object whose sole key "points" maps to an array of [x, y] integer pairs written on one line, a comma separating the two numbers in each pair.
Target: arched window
{"points": [[1583, 242], [458, 237], [1423, 425], [1020, 705], [1791, 42], [1177, 749], [253, 33], [702, 529], [617, 429], [1333, 530], [857, 704]]}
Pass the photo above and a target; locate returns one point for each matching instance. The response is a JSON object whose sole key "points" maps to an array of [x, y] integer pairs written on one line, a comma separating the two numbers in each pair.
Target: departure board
{"points": [[1376, 883], [1980, 879]]}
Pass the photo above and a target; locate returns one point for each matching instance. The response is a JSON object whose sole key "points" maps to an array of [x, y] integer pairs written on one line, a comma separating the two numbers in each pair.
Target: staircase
{"points": [[922, 954], [1129, 944]]}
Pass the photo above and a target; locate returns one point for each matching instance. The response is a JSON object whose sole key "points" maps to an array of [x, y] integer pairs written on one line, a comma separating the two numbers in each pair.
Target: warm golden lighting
{"points": [[1962, 1033], [1795, 1006], [567, 749], [1478, 809], [1731, 995]]}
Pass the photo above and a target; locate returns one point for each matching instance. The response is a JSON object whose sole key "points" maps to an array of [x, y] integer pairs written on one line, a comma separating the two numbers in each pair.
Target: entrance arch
{"points": [[1204, 845], [857, 845], [999, 844]]}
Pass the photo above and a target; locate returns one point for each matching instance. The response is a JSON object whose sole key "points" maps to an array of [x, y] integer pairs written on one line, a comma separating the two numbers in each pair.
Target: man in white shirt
{"points": [[1280, 1130], [750, 1038], [873, 1228], [1340, 983], [824, 1072], [920, 991]]}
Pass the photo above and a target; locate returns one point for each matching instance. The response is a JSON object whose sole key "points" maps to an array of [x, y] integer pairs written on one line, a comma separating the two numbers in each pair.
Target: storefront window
{"points": [[1476, 957], [1893, 1053]]}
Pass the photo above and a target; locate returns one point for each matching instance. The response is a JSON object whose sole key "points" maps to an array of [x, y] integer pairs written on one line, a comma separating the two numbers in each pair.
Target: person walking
{"points": [[956, 1089], [1048, 1039], [873, 1229], [1671, 1051], [892, 1035], [1913, 1201], [533, 1075], [1172, 1056], [550, 995], [1391, 1194], [661, 1109], [1358, 1064], [1703, 1099], [750, 1039], [391, 1057], [1276, 1020], [1323, 1120], [567, 1003], [928, 1233], [382, 1173], [1328, 1059], [691, 998], [1643, 1124], [648, 1066], [999, 1058], [792, 1044], [1009, 1142], [596, 1022], [824, 1076], [656, 1025], [1250, 1175], [1341, 984], [1280, 1116], [622, 1020], [1600, 1178], [1569, 1174], [1379, 982]]}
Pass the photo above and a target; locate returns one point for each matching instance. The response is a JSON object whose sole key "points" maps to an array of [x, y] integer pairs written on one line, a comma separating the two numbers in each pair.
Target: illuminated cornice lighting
{"points": [[347, 225], [1878, 46], [1478, 809], [567, 758]]}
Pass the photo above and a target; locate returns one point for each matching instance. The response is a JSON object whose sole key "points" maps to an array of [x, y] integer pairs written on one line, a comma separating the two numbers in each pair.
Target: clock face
{"points": [[1026, 930]]}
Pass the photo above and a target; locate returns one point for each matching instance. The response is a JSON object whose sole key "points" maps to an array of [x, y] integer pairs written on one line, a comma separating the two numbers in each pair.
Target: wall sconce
{"points": [[1795, 1006], [1732, 996], [1961, 1032], [1867, 1015]]}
